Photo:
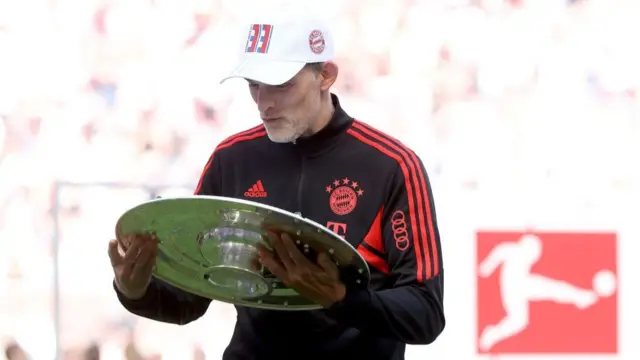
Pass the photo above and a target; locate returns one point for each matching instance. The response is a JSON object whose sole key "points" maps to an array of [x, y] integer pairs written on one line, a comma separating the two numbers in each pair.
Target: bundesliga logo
{"points": [[547, 293]]}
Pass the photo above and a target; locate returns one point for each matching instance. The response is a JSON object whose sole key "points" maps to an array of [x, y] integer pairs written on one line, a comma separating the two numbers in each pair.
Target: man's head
{"points": [[287, 61]]}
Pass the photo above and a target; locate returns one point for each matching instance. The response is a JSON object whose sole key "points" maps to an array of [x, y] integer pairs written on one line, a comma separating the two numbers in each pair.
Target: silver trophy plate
{"points": [[208, 246]]}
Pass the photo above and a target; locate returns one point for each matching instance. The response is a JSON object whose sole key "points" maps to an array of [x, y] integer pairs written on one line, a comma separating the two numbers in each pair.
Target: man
{"points": [[310, 157]]}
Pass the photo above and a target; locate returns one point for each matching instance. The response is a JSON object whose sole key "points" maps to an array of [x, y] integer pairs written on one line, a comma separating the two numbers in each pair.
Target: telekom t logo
{"points": [[339, 228]]}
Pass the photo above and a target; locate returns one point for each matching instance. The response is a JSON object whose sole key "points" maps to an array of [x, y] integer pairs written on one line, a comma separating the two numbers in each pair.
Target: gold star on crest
{"points": [[346, 182]]}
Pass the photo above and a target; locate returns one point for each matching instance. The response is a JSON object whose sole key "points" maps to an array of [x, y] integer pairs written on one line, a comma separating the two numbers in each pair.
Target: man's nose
{"points": [[264, 98]]}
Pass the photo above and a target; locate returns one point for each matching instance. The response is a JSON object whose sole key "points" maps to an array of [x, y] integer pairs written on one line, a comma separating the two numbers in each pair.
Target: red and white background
{"points": [[526, 114]]}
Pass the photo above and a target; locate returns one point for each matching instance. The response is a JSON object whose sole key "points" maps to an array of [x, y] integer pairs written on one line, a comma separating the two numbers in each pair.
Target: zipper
{"points": [[300, 184]]}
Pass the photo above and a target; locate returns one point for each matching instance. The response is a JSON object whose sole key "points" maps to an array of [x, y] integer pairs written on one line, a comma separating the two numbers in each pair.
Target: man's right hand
{"points": [[132, 268]]}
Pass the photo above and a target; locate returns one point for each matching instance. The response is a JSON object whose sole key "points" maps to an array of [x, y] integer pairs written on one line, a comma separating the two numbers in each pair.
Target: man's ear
{"points": [[329, 74]]}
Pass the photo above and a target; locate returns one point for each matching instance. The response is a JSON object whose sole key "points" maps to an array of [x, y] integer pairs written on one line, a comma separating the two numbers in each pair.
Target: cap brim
{"points": [[265, 71]]}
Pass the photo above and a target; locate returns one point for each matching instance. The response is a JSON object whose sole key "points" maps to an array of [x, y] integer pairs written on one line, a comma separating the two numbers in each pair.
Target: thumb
{"points": [[114, 253]]}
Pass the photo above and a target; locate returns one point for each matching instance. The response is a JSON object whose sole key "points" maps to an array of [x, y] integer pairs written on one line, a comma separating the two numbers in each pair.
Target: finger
{"points": [[132, 270], [328, 265], [271, 263], [262, 249], [125, 271], [293, 252], [264, 252], [143, 266], [133, 251], [281, 251], [115, 255], [136, 241]]}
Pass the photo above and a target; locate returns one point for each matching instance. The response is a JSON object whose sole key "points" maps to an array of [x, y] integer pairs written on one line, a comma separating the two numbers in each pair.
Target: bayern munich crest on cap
{"points": [[316, 42]]}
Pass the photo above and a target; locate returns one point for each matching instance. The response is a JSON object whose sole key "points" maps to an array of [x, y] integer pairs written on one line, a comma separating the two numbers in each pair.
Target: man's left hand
{"points": [[319, 282]]}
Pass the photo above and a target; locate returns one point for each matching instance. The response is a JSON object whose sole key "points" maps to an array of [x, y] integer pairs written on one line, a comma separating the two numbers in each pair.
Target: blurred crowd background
{"points": [[507, 99]]}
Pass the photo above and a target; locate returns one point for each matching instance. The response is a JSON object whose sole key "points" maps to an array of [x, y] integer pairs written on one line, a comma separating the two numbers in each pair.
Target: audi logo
{"points": [[399, 228]]}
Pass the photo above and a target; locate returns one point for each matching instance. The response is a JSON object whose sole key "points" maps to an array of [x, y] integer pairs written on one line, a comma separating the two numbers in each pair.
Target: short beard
{"points": [[282, 140], [291, 138]]}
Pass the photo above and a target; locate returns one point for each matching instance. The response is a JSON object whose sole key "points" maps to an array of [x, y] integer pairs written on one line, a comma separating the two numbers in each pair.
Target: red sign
{"points": [[547, 293]]}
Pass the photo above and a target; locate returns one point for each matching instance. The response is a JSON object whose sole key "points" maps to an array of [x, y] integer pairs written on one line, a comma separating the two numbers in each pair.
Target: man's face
{"points": [[290, 110]]}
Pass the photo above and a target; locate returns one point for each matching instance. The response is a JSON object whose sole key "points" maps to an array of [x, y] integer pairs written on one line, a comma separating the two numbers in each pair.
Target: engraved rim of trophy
{"points": [[208, 246]]}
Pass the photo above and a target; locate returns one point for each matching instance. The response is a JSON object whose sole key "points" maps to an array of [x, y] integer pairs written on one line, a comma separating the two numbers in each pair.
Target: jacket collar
{"points": [[329, 135]]}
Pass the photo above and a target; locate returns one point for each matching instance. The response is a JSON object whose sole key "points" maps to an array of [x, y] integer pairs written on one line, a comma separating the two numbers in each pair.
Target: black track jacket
{"points": [[367, 187]]}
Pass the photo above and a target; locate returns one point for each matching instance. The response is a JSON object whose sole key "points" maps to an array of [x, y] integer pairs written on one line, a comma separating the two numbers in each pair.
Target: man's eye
{"points": [[283, 86]]}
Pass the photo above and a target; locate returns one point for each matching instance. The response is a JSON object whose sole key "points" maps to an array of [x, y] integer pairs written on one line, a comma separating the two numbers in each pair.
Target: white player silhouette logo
{"points": [[518, 287]]}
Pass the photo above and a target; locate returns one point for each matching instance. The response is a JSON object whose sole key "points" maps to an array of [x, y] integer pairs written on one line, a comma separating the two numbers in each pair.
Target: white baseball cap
{"points": [[278, 45]]}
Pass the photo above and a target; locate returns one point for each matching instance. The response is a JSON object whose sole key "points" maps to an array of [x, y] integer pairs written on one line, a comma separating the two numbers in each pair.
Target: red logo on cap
{"points": [[316, 42]]}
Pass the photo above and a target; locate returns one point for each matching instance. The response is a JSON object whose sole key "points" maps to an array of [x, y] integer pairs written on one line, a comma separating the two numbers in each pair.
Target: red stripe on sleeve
{"points": [[374, 260], [254, 129], [412, 210], [398, 146], [230, 141]]}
